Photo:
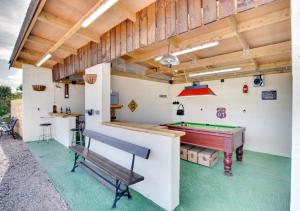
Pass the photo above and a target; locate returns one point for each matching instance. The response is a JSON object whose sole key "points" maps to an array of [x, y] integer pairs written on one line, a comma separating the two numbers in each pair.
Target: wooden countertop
{"points": [[63, 115], [147, 128]]}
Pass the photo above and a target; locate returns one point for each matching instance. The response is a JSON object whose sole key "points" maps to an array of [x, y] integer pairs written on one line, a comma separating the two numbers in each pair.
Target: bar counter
{"points": [[63, 115], [62, 125], [147, 128]]}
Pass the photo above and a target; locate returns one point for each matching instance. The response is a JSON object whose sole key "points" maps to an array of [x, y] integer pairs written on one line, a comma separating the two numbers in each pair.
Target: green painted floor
{"points": [[260, 182]]}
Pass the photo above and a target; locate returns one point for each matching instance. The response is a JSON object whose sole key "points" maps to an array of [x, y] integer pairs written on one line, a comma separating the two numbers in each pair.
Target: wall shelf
{"points": [[116, 106]]}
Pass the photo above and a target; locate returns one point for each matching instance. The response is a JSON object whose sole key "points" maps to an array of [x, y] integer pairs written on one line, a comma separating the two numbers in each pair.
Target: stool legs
{"points": [[42, 137], [80, 137], [46, 133], [74, 138], [49, 135]]}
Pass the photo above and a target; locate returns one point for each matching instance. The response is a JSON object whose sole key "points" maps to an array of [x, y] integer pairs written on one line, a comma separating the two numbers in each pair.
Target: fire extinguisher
{"points": [[245, 89]]}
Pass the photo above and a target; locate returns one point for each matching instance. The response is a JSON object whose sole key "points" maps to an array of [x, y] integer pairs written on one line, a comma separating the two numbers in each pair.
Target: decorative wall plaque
{"points": [[269, 95], [221, 113], [132, 105]]}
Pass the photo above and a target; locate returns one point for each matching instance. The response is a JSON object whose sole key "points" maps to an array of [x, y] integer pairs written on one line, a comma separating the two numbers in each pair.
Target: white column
{"points": [[97, 96], [295, 178]]}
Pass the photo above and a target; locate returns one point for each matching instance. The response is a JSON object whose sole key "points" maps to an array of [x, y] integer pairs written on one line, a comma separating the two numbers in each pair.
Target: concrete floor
{"points": [[260, 182]]}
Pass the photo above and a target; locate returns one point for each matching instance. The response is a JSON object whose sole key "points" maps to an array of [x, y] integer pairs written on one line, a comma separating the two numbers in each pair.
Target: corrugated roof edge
{"points": [[25, 25]]}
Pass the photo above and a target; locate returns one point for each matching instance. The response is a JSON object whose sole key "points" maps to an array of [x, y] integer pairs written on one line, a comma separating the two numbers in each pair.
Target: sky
{"points": [[12, 13]]}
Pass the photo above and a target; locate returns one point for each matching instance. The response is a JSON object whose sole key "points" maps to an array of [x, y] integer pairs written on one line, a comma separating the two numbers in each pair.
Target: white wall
{"points": [[96, 98], [39, 104], [295, 182], [151, 108], [267, 122], [161, 170]]}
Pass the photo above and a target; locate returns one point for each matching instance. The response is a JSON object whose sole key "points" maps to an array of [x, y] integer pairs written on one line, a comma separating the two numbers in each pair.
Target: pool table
{"points": [[218, 137]]}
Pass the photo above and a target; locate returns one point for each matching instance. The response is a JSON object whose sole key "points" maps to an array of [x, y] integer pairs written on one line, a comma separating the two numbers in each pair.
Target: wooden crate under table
{"points": [[184, 151], [193, 154], [208, 157]]}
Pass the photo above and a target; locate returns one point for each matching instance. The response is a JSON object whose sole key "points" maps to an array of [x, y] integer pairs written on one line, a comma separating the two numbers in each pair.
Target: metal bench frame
{"points": [[122, 145], [9, 127]]}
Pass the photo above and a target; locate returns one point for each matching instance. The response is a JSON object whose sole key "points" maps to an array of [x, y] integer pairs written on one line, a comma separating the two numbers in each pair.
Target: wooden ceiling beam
{"points": [[269, 50], [193, 38], [247, 71], [29, 61], [27, 33], [120, 8], [74, 29], [214, 68], [30, 52], [137, 76], [58, 22], [46, 42], [234, 26], [242, 40]]}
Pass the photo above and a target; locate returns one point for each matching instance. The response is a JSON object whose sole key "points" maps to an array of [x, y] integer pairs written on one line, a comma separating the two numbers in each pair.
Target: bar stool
{"points": [[79, 130], [46, 132]]}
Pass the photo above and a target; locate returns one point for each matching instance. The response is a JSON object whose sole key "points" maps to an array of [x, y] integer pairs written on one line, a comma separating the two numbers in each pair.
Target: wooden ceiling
{"points": [[252, 34], [257, 40], [56, 28]]}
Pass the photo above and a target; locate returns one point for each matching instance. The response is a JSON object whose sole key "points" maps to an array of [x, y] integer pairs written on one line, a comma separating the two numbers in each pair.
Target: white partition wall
{"points": [[161, 170], [37, 104], [97, 96], [295, 181]]}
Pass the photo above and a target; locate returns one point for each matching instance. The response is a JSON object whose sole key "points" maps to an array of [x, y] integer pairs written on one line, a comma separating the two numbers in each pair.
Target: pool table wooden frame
{"points": [[218, 140]]}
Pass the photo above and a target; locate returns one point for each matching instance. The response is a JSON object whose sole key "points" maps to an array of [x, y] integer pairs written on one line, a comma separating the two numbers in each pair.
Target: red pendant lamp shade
{"points": [[196, 90]]}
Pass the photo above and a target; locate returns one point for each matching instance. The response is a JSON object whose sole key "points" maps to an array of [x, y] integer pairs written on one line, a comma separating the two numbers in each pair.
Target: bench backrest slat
{"points": [[119, 144]]}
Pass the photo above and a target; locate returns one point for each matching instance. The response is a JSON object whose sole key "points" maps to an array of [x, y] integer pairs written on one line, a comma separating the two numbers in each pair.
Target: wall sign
{"points": [[221, 112], [269, 95], [132, 105]]}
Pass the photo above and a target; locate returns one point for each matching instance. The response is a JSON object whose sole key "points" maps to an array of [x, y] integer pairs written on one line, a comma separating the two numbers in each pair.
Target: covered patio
{"points": [[175, 104]]}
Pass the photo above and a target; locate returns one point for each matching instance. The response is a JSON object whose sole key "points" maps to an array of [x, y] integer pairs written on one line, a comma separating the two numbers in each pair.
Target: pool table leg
{"points": [[227, 163], [239, 153]]}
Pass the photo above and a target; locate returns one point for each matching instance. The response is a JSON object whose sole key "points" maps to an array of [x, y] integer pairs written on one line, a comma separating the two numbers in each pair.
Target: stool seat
{"points": [[76, 129], [45, 124]]}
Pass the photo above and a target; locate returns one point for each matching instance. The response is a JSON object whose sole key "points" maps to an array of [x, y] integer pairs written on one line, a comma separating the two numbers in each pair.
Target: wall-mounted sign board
{"points": [[269, 95], [132, 105]]}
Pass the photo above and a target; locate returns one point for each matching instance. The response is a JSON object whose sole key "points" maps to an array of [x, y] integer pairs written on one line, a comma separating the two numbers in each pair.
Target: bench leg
{"points": [[75, 162], [127, 193], [120, 193], [13, 135], [117, 196]]}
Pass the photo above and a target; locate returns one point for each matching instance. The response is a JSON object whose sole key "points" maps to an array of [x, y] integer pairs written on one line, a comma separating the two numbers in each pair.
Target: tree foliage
{"points": [[6, 95]]}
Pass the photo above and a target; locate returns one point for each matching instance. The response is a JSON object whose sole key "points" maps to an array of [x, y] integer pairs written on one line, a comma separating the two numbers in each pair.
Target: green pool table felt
{"points": [[202, 126]]}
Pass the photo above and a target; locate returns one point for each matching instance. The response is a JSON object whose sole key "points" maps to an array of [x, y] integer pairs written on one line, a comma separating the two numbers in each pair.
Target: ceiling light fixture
{"points": [[99, 11], [195, 90], [215, 72], [43, 60], [189, 50]]}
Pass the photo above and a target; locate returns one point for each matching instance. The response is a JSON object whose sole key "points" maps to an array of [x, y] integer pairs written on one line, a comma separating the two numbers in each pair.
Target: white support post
{"points": [[97, 96], [295, 174]]}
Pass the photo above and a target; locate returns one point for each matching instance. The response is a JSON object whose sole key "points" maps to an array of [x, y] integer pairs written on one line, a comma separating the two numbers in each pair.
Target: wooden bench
{"points": [[107, 171]]}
